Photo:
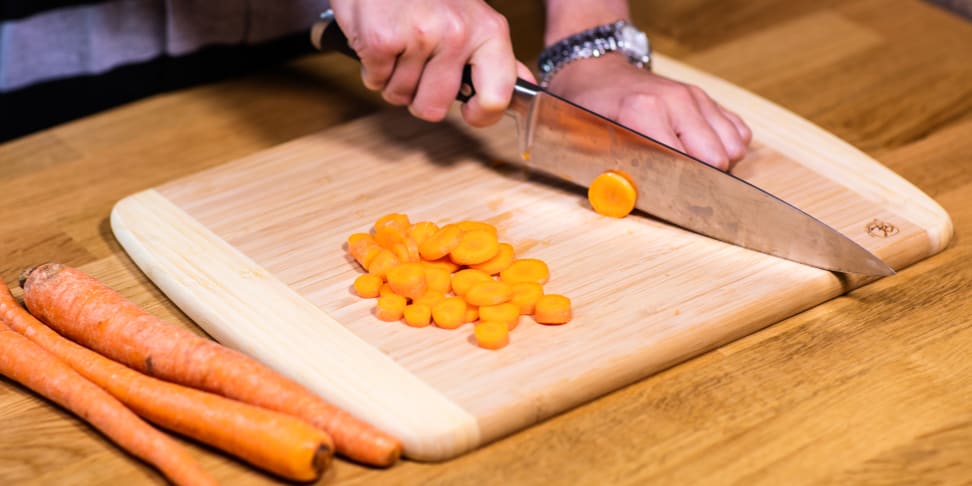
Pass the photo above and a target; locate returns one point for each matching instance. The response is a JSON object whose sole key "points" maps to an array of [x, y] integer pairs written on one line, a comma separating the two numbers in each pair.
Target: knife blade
{"points": [[572, 143]]}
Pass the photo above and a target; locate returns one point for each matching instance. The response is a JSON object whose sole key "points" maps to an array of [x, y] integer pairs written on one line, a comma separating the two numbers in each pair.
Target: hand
{"points": [[679, 115], [414, 53]]}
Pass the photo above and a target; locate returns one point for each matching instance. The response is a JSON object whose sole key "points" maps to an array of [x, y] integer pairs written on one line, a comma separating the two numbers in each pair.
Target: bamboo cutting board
{"points": [[253, 251]]}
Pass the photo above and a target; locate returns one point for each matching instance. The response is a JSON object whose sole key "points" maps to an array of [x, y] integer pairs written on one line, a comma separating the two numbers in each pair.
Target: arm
{"points": [[676, 114]]}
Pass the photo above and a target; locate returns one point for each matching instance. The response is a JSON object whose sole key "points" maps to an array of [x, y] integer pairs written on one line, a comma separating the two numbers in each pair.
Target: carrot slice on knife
{"points": [[612, 194]]}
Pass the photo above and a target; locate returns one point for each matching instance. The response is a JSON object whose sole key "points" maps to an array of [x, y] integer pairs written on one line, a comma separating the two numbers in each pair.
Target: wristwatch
{"points": [[617, 36]]}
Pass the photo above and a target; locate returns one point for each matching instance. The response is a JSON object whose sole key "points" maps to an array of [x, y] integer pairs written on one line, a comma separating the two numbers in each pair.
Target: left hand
{"points": [[677, 114]]}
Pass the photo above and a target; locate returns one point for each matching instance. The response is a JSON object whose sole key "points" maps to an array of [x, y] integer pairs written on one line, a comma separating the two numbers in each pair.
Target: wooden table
{"points": [[872, 387]]}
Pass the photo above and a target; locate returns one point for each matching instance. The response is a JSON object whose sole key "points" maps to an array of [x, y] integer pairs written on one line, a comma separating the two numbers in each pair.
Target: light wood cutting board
{"points": [[253, 251]]}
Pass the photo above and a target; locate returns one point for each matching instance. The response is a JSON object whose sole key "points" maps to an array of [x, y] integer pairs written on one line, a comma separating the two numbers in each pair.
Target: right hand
{"points": [[414, 51]]}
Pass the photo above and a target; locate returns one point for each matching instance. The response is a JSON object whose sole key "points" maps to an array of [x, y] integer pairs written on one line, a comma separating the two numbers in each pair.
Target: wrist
{"points": [[568, 17], [620, 37]]}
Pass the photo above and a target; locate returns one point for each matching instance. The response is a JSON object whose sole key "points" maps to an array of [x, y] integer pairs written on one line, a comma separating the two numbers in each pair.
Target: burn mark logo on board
{"points": [[881, 229]]}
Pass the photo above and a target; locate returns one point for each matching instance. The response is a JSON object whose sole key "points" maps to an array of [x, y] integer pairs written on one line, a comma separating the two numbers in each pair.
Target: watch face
{"points": [[634, 42]]}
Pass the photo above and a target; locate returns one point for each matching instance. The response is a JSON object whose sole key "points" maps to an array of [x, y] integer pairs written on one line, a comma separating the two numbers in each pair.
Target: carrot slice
{"points": [[384, 261], [507, 313], [552, 309], [526, 270], [421, 231], [503, 258], [389, 236], [441, 242], [438, 279], [418, 315], [450, 313], [363, 248], [407, 280], [474, 247], [390, 307], [394, 220], [612, 194], [385, 289], [430, 298], [368, 285], [525, 295], [490, 292], [477, 226], [471, 314], [463, 280], [491, 334], [444, 263]]}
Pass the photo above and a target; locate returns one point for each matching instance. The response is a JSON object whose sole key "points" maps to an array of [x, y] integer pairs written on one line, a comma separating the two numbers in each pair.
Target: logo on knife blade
{"points": [[881, 229]]}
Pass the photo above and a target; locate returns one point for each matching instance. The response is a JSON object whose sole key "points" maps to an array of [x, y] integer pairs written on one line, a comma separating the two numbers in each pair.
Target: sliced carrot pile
{"points": [[447, 275], [612, 194]]}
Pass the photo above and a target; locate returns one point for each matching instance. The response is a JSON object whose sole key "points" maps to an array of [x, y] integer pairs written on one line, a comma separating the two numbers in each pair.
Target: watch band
{"points": [[617, 36]]}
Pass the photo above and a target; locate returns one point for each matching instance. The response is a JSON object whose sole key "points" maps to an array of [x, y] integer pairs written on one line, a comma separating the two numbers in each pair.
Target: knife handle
{"points": [[326, 35]]}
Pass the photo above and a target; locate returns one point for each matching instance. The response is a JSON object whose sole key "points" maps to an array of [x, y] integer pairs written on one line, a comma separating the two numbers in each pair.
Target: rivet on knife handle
{"points": [[326, 35]]}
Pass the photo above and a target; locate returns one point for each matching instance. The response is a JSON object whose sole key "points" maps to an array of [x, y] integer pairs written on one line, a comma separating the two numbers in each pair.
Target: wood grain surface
{"points": [[870, 388]]}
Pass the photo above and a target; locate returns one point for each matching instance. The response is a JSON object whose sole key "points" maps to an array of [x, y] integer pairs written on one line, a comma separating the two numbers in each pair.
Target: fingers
{"points": [[415, 52], [649, 115], [724, 128]]}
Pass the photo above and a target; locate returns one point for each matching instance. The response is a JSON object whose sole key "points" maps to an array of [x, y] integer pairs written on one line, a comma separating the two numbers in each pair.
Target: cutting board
{"points": [[254, 252]]}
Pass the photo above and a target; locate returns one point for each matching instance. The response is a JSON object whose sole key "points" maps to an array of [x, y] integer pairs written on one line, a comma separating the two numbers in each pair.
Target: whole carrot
{"points": [[30, 365], [92, 314], [276, 442]]}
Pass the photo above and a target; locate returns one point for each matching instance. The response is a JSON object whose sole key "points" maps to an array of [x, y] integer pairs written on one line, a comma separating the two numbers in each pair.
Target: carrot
{"points": [[443, 263], [491, 334], [526, 270], [474, 247], [368, 285], [525, 295], [471, 314], [430, 298], [612, 194], [489, 292], [408, 280], [438, 279], [279, 443], [363, 248], [383, 262], [503, 258], [418, 315], [30, 365], [450, 313], [86, 311], [508, 313], [477, 226], [441, 242], [421, 231], [552, 309], [464, 279], [384, 290], [390, 307], [397, 221]]}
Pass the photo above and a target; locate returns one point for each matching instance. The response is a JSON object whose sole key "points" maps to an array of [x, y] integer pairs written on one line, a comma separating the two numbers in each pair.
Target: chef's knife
{"points": [[567, 141]]}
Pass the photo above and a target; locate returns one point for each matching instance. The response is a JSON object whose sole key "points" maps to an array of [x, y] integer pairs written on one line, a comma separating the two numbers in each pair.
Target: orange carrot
{"points": [[30, 365], [88, 312], [408, 280], [430, 298], [418, 315], [276, 442], [552, 309], [489, 292], [441, 242], [438, 279], [474, 247], [508, 313], [383, 262], [477, 226], [612, 194], [390, 307], [450, 313], [421, 231], [526, 270], [394, 220], [525, 295], [503, 258], [491, 334], [464, 279], [368, 285]]}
